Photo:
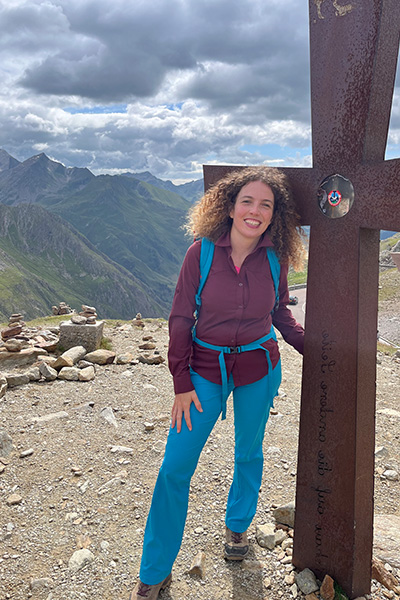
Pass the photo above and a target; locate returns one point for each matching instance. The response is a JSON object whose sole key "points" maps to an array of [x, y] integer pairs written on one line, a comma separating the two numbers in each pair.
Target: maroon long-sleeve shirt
{"points": [[236, 309]]}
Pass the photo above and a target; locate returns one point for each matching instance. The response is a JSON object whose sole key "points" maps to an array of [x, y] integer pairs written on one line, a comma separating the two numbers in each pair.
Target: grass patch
{"points": [[297, 278], [389, 242], [106, 344], [389, 285], [386, 349], [339, 593]]}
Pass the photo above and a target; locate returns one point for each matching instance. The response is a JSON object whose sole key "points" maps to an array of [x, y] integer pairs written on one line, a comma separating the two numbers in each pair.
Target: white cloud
{"points": [[202, 80]]}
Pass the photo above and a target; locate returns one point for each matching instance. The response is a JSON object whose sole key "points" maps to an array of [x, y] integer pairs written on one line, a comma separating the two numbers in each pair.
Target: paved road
{"points": [[299, 309]]}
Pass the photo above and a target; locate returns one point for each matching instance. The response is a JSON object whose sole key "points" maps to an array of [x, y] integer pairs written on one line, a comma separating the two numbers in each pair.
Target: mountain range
{"points": [[115, 242]]}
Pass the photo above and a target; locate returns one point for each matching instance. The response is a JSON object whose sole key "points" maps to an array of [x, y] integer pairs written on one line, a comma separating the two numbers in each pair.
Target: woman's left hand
{"points": [[181, 408]]}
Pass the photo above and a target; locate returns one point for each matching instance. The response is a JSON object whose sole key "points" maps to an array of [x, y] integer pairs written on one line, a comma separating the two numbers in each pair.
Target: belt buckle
{"points": [[234, 349]]}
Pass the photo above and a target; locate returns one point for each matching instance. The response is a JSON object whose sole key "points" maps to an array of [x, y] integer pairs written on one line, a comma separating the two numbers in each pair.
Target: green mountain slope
{"points": [[39, 178], [43, 261], [135, 224]]}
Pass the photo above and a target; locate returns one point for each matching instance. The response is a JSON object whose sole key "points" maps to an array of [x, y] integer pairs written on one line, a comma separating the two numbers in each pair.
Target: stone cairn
{"points": [[87, 316], [137, 321], [15, 327], [62, 309], [17, 336]]}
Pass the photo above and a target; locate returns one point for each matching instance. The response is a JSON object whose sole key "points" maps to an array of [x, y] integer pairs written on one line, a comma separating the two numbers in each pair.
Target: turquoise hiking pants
{"points": [[167, 516]]}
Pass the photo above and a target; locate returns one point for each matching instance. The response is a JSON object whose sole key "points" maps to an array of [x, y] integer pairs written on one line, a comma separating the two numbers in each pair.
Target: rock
{"points": [[27, 356], [49, 346], [101, 357], [88, 336], [80, 559], [389, 412], [69, 374], [149, 386], [108, 414], [265, 535], [13, 345], [77, 353], [11, 331], [117, 480], [383, 576], [391, 475], [6, 445], [311, 597], [198, 565], [79, 319], [62, 309], [17, 379], [3, 385], [381, 452], [50, 417], [14, 499], [149, 426], [82, 364], [62, 362], [137, 321], [290, 579], [34, 374], [147, 346], [89, 309], [307, 582], [280, 536], [26, 453], [285, 514], [15, 317], [124, 359], [122, 449], [86, 374], [159, 446], [327, 590], [48, 372], [49, 360], [387, 539], [155, 359], [40, 584]]}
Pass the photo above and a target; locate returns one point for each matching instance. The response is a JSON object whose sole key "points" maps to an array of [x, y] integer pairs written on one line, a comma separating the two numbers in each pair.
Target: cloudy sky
{"points": [[157, 85]]}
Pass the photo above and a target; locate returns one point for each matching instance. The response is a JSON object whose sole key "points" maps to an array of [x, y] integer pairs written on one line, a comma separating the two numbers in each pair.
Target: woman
{"points": [[244, 214]]}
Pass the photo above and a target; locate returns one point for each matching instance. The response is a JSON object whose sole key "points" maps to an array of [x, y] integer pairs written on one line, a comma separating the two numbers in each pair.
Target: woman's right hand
{"points": [[182, 407]]}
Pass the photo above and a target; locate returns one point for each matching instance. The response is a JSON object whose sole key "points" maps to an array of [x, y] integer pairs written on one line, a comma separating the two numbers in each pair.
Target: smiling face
{"points": [[252, 212]]}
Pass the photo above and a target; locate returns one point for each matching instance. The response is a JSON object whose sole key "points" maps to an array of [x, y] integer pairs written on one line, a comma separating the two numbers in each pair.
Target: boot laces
{"points": [[236, 537], [143, 590]]}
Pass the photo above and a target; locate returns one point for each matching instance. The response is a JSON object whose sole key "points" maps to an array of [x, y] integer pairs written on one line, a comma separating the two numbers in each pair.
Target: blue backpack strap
{"points": [[206, 258], [275, 267]]}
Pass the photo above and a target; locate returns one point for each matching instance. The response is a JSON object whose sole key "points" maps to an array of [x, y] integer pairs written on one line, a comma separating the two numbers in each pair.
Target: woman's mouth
{"points": [[252, 222]]}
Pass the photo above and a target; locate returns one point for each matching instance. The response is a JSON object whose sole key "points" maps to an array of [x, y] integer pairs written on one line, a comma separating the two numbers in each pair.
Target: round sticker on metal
{"points": [[334, 197]]}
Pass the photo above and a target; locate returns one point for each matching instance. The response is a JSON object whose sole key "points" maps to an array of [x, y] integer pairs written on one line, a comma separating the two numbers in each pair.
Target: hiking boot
{"points": [[236, 545], [149, 592]]}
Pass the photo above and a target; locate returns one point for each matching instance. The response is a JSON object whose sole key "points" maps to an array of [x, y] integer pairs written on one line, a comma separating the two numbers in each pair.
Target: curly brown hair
{"points": [[209, 217]]}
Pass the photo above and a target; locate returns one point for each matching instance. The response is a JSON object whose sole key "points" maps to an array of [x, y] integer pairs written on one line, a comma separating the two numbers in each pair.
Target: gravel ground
{"points": [[78, 492]]}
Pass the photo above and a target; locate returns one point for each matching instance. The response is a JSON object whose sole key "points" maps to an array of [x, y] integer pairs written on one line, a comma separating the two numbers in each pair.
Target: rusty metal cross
{"points": [[354, 49]]}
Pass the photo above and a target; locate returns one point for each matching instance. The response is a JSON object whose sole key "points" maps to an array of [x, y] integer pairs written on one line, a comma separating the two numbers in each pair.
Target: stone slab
{"points": [[88, 336], [27, 356]]}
